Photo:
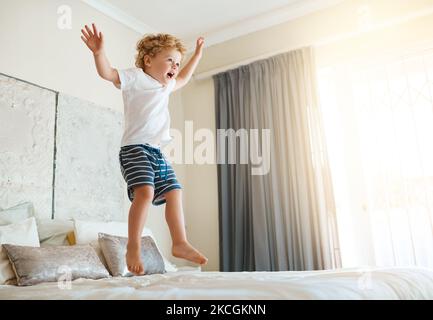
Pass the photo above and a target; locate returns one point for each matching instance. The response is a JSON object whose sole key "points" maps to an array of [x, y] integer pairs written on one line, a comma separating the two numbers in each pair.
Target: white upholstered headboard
{"points": [[60, 153]]}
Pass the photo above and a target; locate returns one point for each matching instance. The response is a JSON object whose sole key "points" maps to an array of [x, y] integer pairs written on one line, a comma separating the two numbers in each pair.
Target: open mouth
{"points": [[170, 75]]}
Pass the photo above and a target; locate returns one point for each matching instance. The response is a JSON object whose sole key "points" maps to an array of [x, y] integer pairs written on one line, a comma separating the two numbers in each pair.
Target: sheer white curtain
{"points": [[378, 118]]}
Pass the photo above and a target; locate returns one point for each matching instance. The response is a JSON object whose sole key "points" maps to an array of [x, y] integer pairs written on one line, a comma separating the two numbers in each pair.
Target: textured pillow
{"points": [[22, 233], [87, 232], [16, 213], [114, 250], [48, 264]]}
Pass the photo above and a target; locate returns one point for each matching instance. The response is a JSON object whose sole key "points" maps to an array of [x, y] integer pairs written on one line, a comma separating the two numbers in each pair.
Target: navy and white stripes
{"points": [[142, 164]]}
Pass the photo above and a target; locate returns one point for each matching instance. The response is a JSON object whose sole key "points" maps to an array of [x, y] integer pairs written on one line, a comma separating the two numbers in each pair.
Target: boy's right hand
{"points": [[93, 40]]}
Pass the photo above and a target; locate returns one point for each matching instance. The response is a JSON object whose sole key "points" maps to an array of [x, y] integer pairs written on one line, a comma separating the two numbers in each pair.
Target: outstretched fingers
{"points": [[86, 35], [95, 30], [88, 30]]}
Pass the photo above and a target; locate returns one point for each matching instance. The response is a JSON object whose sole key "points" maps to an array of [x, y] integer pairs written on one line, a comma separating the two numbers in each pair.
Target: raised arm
{"points": [[185, 74], [95, 42]]}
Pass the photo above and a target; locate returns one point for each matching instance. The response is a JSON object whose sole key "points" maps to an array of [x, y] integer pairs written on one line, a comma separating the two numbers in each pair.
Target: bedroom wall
{"points": [[351, 30], [35, 49]]}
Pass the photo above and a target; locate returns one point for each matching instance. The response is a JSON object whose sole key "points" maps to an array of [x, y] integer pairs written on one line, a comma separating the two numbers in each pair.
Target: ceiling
{"points": [[217, 21]]}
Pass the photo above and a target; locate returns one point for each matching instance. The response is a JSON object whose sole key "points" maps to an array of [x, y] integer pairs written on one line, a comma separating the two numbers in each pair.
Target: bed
{"points": [[20, 232], [355, 283]]}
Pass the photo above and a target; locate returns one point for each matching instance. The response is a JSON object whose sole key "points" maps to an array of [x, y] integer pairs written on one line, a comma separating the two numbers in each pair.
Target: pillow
{"points": [[54, 232], [49, 264], [114, 250], [16, 213], [87, 232], [21, 233]]}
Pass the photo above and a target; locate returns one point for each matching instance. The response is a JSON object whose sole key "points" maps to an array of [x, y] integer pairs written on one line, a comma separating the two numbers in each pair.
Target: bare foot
{"points": [[186, 251], [133, 260]]}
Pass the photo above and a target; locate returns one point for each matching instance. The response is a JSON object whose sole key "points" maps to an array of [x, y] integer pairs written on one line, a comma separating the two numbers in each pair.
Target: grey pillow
{"points": [[33, 265], [114, 251]]}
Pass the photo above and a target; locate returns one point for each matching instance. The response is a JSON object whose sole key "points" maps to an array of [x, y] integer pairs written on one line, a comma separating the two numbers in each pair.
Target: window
{"points": [[378, 119]]}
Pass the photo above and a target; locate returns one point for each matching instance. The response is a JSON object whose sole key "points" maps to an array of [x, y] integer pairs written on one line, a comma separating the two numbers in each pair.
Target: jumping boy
{"points": [[149, 176]]}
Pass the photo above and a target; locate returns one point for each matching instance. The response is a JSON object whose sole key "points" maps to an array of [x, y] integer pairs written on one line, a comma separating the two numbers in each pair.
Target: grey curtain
{"points": [[285, 219]]}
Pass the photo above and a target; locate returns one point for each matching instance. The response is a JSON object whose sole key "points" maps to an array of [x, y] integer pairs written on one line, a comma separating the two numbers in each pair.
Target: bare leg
{"points": [[143, 196], [174, 215]]}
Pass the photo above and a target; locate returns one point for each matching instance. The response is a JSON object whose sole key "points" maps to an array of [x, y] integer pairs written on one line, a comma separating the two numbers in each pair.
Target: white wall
{"points": [[36, 50], [338, 32]]}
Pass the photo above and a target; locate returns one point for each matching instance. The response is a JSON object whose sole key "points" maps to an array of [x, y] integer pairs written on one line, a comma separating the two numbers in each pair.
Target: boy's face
{"points": [[164, 66]]}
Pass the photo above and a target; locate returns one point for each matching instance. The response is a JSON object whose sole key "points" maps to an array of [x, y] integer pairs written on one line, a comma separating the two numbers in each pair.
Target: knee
{"points": [[144, 192], [173, 194]]}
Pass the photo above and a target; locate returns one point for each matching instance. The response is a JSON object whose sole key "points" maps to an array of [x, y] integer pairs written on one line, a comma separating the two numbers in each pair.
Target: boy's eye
{"points": [[178, 64]]}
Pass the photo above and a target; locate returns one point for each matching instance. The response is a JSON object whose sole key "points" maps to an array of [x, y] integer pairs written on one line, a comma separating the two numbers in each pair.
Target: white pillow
{"points": [[54, 232], [86, 232], [16, 213], [23, 233]]}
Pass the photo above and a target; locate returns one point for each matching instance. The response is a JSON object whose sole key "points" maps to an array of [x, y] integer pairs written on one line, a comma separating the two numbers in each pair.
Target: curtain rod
{"points": [[326, 41]]}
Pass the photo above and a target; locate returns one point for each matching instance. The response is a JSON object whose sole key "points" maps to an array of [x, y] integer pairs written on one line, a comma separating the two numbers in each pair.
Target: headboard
{"points": [[60, 153]]}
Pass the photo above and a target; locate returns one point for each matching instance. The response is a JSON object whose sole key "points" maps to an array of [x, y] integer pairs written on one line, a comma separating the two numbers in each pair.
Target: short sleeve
{"points": [[127, 78]]}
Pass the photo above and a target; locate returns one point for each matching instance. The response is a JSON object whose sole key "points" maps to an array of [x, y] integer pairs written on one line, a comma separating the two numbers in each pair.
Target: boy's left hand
{"points": [[199, 46]]}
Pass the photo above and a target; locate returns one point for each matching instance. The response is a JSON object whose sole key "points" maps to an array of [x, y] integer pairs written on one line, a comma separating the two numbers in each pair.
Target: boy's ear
{"points": [[147, 60]]}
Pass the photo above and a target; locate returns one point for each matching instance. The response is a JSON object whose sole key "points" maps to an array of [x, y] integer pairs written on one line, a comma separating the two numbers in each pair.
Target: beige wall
{"points": [[200, 187], [398, 24], [334, 22]]}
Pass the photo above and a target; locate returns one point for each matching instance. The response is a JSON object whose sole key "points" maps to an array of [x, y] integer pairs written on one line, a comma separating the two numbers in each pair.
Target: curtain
{"points": [[378, 117], [283, 218]]}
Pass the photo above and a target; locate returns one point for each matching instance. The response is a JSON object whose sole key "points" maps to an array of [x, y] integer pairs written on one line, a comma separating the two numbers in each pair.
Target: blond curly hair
{"points": [[152, 44]]}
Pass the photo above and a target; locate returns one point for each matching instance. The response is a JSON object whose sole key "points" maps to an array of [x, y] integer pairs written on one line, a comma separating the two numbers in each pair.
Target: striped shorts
{"points": [[142, 164]]}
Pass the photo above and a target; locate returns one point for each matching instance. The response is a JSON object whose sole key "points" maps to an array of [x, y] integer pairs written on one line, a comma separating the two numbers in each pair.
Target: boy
{"points": [[149, 176]]}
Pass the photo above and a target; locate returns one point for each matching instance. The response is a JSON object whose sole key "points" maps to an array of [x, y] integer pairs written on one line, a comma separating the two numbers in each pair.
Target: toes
{"points": [[140, 270], [202, 260], [136, 270], [131, 269]]}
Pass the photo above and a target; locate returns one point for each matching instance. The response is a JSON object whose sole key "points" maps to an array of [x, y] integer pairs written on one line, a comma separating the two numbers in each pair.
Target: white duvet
{"points": [[372, 283]]}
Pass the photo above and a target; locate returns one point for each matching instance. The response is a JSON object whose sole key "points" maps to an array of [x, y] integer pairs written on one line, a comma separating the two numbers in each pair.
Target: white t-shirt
{"points": [[145, 100]]}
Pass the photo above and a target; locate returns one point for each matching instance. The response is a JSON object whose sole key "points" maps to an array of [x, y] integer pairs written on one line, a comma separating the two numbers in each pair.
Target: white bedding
{"points": [[372, 283]]}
